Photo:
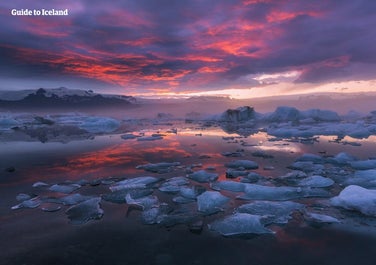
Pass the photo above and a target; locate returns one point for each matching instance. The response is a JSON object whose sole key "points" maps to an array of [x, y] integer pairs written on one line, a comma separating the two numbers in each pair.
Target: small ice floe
{"points": [[363, 164], [246, 164], [31, 203], [64, 188], [273, 212], [191, 192], [233, 154], [40, 184], [119, 196], [85, 211], [341, 159], [23, 197], [177, 217], [240, 224], [315, 182], [51, 208], [363, 178], [252, 177], [94, 124], [129, 136], [163, 167], [356, 198], [150, 216], [310, 158], [260, 153], [145, 203], [173, 185], [211, 202], [317, 220], [69, 200], [283, 193], [232, 173], [182, 200], [150, 138], [203, 176], [134, 183], [307, 166], [228, 185]]}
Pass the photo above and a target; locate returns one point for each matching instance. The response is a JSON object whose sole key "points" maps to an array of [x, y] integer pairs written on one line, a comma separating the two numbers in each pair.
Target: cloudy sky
{"points": [[242, 48]]}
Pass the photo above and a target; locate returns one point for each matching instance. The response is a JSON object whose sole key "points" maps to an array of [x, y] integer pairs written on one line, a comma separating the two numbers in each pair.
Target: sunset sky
{"points": [[241, 48]]}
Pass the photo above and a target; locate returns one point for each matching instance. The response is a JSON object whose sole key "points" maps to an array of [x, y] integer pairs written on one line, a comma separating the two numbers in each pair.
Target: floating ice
{"points": [[240, 114], [240, 224], [228, 185], [98, 124], [150, 138], [129, 136], [318, 219], [144, 202], [307, 166], [316, 182], [210, 202], [274, 212], [203, 176], [284, 113], [363, 164], [40, 184], [31, 203], [251, 177], [231, 173], [51, 208], [341, 159], [261, 153], [191, 192], [310, 158], [321, 115], [173, 185], [23, 197], [246, 164], [169, 220], [69, 200], [64, 188], [134, 183], [161, 168], [259, 192], [150, 216], [363, 178], [356, 198], [85, 211], [119, 196]]}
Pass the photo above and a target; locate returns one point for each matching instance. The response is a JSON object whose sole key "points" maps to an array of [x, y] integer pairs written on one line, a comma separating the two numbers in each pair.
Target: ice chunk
{"points": [[251, 177], [363, 164], [356, 198], [85, 211], [23, 197], [274, 212], [69, 200], [246, 164], [307, 166], [240, 224], [191, 192], [203, 176], [259, 192], [316, 182], [181, 199], [363, 178], [240, 114], [210, 202], [261, 153], [150, 138], [316, 219], [231, 173], [51, 208], [134, 183], [341, 159], [310, 157], [99, 124], [283, 113], [119, 196], [144, 202], [31, 203], [128, 136], [161, 168], [173, 185], [228, 185], [64, 188], [321, 115], [40, 184]]}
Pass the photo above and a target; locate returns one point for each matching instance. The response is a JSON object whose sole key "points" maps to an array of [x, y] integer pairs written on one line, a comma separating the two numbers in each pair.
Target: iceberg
{"points": [[210, 202], [358, 199], [85, 211], [240, 224]]}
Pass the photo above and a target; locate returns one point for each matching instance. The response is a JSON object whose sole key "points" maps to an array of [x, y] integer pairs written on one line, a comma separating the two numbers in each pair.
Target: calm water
{"points": [[31, 236]]}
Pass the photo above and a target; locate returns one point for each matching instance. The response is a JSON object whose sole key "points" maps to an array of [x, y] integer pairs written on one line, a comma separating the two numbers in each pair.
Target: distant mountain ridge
{"points": [[61, 97]]}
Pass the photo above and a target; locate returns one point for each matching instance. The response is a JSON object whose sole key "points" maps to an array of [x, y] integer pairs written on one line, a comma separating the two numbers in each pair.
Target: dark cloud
{"points": [[189, 45]]}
